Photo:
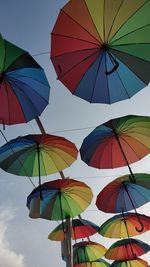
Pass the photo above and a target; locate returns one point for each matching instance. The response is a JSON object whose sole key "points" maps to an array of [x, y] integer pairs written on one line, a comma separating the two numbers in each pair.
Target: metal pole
{"points": [[69, 260]]}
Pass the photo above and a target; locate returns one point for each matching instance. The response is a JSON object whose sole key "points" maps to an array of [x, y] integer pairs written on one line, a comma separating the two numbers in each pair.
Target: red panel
{"points": [[10, 109], [66, 26], [141, 149], [78, 10], [66, 62], [108, 155], [74, 76], [64, 45], [103, 198]]}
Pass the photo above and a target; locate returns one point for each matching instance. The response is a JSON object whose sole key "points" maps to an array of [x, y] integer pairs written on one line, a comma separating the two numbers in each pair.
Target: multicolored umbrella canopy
{"points": [[122, 194], [87, 251], [80, 229], [127, 249], [118, 142], [24, 155], [61, 199], [100, 49], [132, 263], [24, 89], [97, 263], [124, 225]]}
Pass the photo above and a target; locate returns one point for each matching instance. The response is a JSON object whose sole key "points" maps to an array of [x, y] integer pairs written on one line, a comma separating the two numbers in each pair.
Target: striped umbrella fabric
{"points": [[98, 263], [101, 45], [80, 229], [24, 88], [127, 249], [124, 225], [87, 251], [61, 199], [122, 194], [27, 155], [132, 263], [117, 143]]}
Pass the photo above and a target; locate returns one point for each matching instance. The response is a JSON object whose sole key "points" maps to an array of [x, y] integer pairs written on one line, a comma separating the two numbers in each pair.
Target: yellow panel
{"points": [[96, 10], [111, 10], [78, 11], [127, 8]]}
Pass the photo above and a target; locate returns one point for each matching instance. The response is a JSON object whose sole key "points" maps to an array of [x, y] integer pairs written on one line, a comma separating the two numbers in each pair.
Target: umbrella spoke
{"points": [[142, 227]]}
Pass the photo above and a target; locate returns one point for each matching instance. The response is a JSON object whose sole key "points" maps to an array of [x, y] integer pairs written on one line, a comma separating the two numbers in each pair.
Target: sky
{"points": [[23, 241]]}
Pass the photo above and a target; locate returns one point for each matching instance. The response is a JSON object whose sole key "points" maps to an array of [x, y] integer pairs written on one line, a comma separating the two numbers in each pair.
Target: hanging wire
{"points": [[13, 152], [40, 54]]}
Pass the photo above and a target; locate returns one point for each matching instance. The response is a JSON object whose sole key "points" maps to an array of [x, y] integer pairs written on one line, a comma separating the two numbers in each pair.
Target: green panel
{"points": [[111, 10], [12, 53], [140, 19], [96, 10], [138, 36], [2, 53], [140, 50], [28, 164], [127, 9]]}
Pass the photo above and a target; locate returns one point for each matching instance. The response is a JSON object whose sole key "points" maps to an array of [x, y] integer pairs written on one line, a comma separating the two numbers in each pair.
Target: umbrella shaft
{"points": [[132, 175]]}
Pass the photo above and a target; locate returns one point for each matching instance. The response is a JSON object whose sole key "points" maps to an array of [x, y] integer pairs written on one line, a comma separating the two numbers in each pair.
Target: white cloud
{"points": [[8, 257]]}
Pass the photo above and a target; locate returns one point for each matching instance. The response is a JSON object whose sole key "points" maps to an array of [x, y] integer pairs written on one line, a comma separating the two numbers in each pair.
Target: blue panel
{"points": [[40, 88], [101, 93], [139, 194], [87, 84], [117, 91], [31, 103], [36, 74], [131, 82], [123, 203], [47, 195], [14, 145]]}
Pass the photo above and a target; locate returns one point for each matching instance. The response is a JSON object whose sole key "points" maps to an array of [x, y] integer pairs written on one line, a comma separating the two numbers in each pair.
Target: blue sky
{"points": [[23, 241]]}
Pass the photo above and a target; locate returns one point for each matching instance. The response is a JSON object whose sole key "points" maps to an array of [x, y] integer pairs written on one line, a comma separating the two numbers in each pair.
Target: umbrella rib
{"points": [[41, 155], [75, 38], [101, 152], [8, 103], [27, 76], [15, 82], [13, 152], [132, 148], [96, 77], [28, 99], [104, 19], [72, 52], [119, 7], [93, 22], [59, 157], [61, 76], [131, 67], [4, 56], [128, 19], [120, 80], [129, 33], [82, 26]]}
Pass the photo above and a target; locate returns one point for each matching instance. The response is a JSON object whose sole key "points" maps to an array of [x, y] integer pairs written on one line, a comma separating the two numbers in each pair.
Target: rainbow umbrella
{"points": [[61, 199], [127, 249], [132, 263], [36, 155], [122, 194], [80, 229], [123, 225], [100, 49], [87, 251], [97, 263], [117, 143], [24, 89]]}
